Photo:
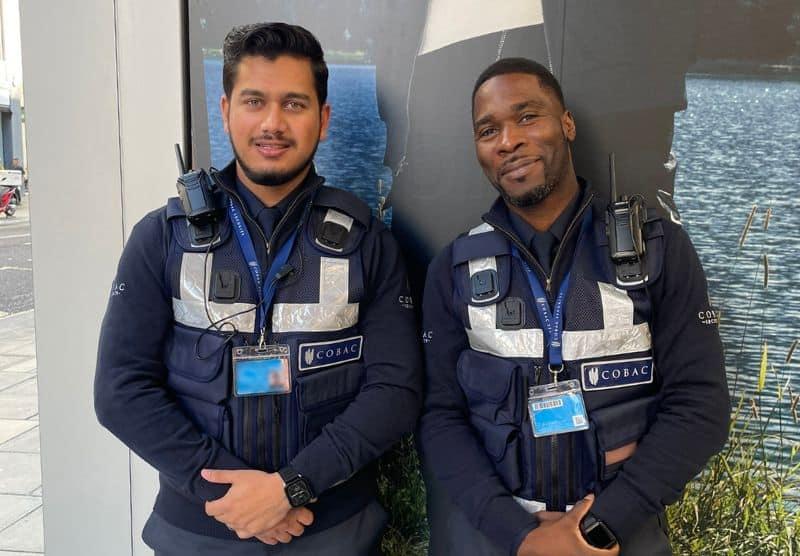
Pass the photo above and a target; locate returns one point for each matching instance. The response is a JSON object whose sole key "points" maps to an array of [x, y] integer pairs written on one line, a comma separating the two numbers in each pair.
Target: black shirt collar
{"points": [[254, 205], [526, 232]]}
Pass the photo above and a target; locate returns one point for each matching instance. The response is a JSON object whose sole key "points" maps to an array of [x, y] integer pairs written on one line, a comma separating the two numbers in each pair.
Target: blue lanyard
{"points": [[267, 284], [552, 322]]}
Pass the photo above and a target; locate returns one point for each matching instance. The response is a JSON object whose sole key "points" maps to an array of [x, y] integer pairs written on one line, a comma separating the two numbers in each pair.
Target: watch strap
{"points": [[288, 475]]}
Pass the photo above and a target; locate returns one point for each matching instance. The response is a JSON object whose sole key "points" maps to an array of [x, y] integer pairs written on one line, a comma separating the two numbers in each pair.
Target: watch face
{"points": [[298, 493]]}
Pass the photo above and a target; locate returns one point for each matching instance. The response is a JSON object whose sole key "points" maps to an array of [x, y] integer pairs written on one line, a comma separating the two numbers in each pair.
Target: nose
{"points": [[511, 138], [273, 122]]}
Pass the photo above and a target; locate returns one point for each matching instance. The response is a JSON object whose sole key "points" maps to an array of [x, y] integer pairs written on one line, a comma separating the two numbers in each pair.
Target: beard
{"points": [[537, 193], [528, 198], [273, 178]]}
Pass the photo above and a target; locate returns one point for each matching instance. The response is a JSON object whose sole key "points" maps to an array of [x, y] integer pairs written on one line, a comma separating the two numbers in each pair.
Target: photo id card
{"points": [[557, 408], [261, 371]]}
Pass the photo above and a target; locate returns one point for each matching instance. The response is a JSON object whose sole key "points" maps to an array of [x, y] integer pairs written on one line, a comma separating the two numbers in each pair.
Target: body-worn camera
{"points": [[199, 202]]}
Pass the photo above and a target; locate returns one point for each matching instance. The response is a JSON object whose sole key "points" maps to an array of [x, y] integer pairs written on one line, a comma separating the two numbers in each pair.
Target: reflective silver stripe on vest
{"points": [[332, 313], [617, 306], [486, 337], [190, 309], [338, 218], [485, 263], [481, 229], [483, 333], [617, 337]]}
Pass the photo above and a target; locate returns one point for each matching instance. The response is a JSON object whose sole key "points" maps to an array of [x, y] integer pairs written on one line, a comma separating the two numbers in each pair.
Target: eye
{"points": [[294, 105], [528, 117], [252, 102], [486, 132]]}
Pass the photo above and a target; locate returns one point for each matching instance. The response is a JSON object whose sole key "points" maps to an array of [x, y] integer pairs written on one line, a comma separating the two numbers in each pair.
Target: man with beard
{"points": [[565, 406], [261, 368]]}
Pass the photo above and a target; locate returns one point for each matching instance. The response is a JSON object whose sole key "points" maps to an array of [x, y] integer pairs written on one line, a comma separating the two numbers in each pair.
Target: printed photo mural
{"points": [[698, 99]]}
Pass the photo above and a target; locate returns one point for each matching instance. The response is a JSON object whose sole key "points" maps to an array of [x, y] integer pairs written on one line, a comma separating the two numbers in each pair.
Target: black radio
{"points": [[625, 220]]}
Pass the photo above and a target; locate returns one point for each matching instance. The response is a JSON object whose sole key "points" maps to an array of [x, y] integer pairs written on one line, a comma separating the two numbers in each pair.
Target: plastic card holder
{"points": [[261, 371], [557, 408]]}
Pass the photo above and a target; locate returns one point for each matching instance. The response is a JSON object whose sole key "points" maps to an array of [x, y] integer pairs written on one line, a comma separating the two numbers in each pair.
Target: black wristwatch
{"points": [[596, 533], [297, 489]]}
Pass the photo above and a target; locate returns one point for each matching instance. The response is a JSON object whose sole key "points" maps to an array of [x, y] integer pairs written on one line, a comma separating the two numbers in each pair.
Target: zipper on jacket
{"points": [[530, 259], [246, 426], [538, 447], [260, 441], [260, 424], [555, 497], [568, 457], [276, 433]]}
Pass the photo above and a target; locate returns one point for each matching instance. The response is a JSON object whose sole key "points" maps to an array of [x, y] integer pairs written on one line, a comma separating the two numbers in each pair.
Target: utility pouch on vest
{"points": [[616, 426]]}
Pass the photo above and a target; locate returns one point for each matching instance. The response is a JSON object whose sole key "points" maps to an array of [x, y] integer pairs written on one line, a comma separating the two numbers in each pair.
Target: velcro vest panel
{"points": [[315, 312], [606, 346]]}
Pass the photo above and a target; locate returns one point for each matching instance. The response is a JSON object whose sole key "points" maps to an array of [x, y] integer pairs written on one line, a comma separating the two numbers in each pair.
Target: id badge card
{"points": [[261, 371], [557, 408]]}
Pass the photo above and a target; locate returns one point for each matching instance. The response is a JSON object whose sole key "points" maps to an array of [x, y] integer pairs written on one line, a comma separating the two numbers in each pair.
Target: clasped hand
{"points": [[558, 534], [256, 506]]}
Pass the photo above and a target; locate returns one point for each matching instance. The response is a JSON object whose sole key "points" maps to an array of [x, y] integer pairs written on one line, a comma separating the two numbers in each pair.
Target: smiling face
{"points": [[274, 120], [522, 136]]}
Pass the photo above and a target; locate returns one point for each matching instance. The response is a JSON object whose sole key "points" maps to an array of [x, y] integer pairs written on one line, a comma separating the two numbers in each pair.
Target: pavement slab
{"points": [[27, 387], [21, 532], [19, 473], [11, 379], [12, 428], [17, 363], [26, 535], [18, 406], [27, 442], [13, 508]]}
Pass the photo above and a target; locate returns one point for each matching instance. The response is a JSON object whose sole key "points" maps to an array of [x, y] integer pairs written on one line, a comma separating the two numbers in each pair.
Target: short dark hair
{"points": [[271, 40], [520, 65]]}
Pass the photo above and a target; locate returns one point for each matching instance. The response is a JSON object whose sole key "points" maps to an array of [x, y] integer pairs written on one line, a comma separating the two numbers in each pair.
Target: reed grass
{"points": [[743, 503]]}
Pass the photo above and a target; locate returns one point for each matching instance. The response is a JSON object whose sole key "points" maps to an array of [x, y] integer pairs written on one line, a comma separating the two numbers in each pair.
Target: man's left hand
{"points": [[255, 502]]}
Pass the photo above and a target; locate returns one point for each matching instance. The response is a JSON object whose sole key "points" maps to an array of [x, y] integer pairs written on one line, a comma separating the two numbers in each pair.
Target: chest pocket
{"points": [[492, 388], [201, 383], [324, 394]]}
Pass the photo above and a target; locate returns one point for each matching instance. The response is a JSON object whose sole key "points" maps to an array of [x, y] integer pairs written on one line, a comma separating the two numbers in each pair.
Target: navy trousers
{"points": [[359, 535]]}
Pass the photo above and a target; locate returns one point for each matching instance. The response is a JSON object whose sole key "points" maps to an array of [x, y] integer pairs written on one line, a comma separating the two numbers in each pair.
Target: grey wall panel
{"points": [[104, 108], [74, 160]]}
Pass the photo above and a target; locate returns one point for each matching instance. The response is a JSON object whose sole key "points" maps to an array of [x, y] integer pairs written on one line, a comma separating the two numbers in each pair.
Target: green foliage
{"points": [[742, 503], [402, 493]]}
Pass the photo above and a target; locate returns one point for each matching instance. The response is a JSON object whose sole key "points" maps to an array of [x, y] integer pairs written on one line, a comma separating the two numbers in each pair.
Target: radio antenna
{"points": [[179, 156], [612, 177]]}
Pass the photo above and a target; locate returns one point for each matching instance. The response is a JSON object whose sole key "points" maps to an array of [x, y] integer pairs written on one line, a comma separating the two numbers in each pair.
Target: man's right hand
{"points": [[560, 535], [291, 526]]}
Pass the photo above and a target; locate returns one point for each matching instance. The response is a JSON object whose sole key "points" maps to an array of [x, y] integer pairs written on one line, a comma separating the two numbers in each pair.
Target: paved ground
{"points": [[16, 285], [20, 472]]}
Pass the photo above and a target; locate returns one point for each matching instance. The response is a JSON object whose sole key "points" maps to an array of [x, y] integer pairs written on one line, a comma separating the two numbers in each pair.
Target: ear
{"points": [[568, 125], [325, 118], [224, 107]]}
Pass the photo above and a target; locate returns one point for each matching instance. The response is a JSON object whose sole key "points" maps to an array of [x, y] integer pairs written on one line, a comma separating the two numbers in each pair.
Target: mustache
{"points": [[273, 138], [514, 162]]}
